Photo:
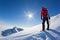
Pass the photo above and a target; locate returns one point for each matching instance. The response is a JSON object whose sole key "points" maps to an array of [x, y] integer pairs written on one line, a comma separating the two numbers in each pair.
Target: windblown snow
{"points": [[34, 33]]}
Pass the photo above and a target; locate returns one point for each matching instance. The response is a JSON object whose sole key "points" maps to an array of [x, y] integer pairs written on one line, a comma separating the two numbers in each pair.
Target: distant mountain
{"points": [[8, 32]]}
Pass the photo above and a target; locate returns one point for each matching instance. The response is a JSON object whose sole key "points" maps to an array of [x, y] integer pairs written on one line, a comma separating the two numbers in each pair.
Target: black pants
{"points": [[43, 23]]}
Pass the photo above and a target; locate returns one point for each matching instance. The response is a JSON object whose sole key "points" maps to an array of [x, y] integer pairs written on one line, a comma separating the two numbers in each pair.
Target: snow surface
{"points": [[34, 33]]}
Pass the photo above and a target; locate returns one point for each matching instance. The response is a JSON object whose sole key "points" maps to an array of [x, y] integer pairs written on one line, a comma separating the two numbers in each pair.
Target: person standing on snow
{"points": [[45, 17]]}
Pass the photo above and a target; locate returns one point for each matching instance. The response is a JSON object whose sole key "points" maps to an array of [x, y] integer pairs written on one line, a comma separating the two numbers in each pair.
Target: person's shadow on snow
{"points": [[43, 35], [56, 32], [50, 36]]}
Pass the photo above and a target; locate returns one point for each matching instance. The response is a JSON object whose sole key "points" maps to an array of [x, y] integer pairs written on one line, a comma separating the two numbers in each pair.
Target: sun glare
{"points": [[30, 15]]}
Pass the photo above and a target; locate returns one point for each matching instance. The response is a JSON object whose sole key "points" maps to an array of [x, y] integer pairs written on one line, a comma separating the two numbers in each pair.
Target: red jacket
{"points": [[44, 12]]}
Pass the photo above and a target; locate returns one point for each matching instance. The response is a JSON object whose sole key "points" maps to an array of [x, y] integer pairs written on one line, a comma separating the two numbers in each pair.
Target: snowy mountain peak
{"points": [[58, 16], [54, 18]]}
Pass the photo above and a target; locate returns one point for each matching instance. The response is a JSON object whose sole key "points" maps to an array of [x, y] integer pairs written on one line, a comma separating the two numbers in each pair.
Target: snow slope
{"points": [[33, 33]]}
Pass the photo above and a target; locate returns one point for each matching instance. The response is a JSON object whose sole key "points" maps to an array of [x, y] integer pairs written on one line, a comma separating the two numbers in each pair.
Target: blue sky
{"points": [[15, 11]]}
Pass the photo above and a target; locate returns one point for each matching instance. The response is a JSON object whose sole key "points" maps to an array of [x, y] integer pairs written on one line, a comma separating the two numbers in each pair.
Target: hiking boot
{"points": [[47, 29]]}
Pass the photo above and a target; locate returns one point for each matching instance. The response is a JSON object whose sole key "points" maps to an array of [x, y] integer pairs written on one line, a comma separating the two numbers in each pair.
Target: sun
{"points": [[30, 15]]}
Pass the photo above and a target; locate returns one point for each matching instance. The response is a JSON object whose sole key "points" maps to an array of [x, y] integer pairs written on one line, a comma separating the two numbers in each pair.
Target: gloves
{"points": [[49, 17], [41, 18]]}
